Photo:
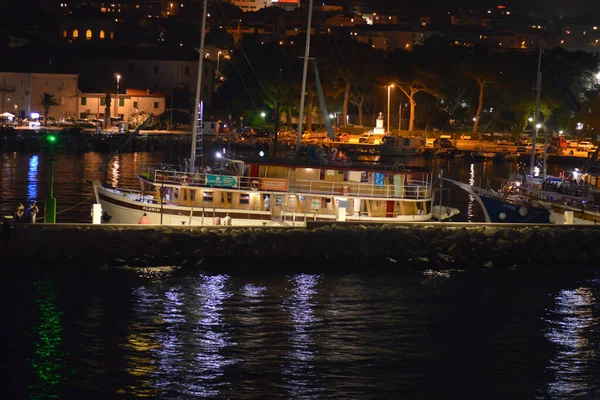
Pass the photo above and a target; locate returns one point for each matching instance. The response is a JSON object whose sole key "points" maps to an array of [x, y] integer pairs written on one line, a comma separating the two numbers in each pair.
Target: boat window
{"points": [[244, 198], [207, 197]]}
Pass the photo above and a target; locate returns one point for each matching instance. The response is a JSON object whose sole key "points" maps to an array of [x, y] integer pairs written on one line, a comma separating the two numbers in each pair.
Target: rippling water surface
{"points": [[241, 335]]}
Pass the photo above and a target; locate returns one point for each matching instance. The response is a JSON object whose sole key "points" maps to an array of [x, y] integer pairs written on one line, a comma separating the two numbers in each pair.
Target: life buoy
{"points": [[345, 190], [184, 180]]}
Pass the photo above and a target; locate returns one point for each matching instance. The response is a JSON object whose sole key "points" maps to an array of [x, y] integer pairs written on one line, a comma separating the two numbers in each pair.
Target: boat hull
{"points": [[504, 211], [122, 209]]}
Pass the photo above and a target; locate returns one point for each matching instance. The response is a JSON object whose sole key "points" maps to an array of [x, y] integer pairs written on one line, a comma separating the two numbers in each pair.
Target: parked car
{"points": [[443, 142], [342, 137], [522, 142], [367, 138], [585, 145]]}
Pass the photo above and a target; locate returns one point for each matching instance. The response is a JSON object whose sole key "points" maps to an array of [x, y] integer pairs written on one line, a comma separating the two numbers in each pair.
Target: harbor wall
{"points": [[438, 245]]}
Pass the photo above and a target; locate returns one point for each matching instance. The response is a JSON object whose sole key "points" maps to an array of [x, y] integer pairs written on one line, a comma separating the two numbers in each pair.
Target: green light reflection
{"points": [[48, 361]]}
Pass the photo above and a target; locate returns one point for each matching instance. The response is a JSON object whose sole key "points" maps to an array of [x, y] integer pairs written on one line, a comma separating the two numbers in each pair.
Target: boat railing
{"points": [[410, 189]]}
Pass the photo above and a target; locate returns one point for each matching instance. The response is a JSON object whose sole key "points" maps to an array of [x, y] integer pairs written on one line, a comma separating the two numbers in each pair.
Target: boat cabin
{"points": [[292, 190]]}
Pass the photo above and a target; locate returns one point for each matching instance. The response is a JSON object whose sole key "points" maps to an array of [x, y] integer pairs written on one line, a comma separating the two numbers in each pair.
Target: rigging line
{"points": [[239, 46], [76, 205], [346, 67]]}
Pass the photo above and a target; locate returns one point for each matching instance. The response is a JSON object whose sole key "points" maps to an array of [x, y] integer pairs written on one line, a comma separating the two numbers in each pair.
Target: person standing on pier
{"points": [[20, 213], [33, 210]]}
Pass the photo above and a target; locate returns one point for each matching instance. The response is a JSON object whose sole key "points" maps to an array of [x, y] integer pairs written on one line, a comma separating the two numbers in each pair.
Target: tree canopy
{"points": [[437, 84]]}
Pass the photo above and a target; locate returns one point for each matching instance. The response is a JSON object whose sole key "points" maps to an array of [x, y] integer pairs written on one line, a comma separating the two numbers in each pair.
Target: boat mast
{"points": [[304, 73], [197, 112], [534, 129]]}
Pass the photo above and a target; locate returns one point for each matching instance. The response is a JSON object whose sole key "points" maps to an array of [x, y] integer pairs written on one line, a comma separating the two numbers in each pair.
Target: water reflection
{"points": [[301, 304], [569, 325], [115, 173], [32, 179], [48, 361], [211, 339], [171, 354], [140, 345]]}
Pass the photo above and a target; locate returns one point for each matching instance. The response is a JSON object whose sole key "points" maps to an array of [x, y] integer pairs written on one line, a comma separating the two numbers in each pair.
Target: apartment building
{"points": [[92, 105], [22, 92]]}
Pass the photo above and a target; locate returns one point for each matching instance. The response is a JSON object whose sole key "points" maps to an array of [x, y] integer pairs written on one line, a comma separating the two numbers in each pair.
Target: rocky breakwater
{"points": [[328, 247]]}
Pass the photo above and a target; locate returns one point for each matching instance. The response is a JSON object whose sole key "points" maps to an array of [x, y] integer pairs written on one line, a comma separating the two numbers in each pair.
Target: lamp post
{"points": [[117, 101], [388, 108], [218, 59], [50, 209]]}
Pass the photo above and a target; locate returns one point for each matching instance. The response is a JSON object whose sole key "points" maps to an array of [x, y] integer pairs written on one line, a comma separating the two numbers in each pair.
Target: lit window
{"points": [[101, 34], [65, 33], [112, 35], [88, 34], [75, 33]]}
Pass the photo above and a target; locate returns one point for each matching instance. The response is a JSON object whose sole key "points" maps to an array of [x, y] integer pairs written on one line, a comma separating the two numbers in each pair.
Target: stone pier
{"points": [[340, 246]]}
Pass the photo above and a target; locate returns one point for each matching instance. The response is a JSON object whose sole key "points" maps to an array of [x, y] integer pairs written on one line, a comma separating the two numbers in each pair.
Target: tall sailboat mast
{"points": [[304, 73], [198, 118], [534, 129]]}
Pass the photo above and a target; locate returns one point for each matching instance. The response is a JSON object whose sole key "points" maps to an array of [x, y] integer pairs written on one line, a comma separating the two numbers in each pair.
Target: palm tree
{"points": [[48, 101]]}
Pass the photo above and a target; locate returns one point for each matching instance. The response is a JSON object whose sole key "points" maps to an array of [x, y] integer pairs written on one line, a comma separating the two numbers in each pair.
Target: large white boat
{"points": [[265, 192]]}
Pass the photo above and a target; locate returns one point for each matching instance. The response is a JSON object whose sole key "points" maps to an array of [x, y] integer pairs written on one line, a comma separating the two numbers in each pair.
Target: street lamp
{"points": [[218, 58], [117, 102], [388, 108]]}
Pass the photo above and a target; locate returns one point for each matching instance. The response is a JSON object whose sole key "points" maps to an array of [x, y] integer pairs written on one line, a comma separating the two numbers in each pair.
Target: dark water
{"points": [[239, 335], [25, 176]]}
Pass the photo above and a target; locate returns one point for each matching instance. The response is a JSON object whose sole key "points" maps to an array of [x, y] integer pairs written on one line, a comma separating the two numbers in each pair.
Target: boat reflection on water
{"points": [[570, 324]]}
